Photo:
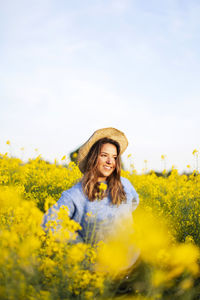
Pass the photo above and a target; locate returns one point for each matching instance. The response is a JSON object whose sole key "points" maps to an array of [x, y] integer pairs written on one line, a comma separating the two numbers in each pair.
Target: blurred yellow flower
{"points": [[103, 186], [195, 151], [77, 253], [89, 214], [158, 277], [75, 155], [186, 284]]}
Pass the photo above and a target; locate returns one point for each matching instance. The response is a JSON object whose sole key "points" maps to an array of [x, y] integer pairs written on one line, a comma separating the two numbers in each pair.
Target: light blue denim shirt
{"points": [[104, 213]]}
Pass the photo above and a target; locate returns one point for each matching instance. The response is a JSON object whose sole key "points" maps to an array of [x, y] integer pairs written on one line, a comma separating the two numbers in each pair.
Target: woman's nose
{"points": [[108, 160]]}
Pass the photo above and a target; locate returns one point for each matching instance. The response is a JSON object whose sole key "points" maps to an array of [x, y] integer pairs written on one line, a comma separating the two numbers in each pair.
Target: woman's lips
{"points": [[107, 167]]}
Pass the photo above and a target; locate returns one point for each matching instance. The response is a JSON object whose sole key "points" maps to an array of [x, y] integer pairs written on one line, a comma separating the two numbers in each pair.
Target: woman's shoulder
{"points": [[125, 182], [75, 190], [129, 189]]}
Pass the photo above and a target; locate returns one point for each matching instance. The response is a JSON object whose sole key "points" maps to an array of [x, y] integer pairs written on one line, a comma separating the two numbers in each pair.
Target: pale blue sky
{"points": [[71, 67]]}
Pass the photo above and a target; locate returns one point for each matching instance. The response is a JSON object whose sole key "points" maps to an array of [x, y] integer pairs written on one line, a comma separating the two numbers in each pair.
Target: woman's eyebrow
{"points": [[107, 153]]}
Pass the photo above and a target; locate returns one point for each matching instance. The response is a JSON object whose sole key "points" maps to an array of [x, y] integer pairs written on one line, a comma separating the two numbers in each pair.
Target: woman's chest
{"points": [[104, 210]]}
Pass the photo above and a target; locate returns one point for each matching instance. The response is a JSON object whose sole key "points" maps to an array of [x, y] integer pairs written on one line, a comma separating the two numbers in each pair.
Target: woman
{"points": [[102, 197]]}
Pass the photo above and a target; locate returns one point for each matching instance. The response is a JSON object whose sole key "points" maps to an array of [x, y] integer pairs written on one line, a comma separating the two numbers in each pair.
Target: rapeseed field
{"points": [[155, 255]]}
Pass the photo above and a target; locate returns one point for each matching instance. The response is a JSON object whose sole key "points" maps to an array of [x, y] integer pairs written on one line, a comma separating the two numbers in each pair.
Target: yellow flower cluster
{"points": [[38, 180], [31, 259], [155, 254], [146, 240], [176, 199]]}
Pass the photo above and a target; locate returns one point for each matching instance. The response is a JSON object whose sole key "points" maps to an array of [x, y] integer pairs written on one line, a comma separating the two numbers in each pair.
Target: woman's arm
{"points": [[52, 213]]}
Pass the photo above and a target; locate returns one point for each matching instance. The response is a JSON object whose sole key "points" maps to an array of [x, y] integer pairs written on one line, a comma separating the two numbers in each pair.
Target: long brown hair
{"points": [[90, 184]]}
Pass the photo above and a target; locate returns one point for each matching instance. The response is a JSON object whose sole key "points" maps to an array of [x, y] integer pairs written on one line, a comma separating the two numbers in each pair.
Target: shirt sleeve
{"points": [[131, 193], [52, 213], [135, 198]]}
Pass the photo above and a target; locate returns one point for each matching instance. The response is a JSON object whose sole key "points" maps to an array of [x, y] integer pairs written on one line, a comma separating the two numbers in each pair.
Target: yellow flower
{"points": [[8, 142], [195, 151], [63, 158], [158, 277], [77, 253], [89, 295], [75, 155], [118, 253], [89, 214], [103, 186], [185, 256], [186, 284]]}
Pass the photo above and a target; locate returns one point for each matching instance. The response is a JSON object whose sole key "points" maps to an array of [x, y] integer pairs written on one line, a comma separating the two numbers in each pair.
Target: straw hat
{"points": [[110, 133]]}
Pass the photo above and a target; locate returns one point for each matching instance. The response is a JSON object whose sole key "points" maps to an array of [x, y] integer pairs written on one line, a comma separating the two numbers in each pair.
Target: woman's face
{"points": [[106, 161]]}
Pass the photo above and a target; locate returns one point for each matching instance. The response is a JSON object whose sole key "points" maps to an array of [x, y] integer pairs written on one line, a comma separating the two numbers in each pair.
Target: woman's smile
{"points": [[107, 167]]}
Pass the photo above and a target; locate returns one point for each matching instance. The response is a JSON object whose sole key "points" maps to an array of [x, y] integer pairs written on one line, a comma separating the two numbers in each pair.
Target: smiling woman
{"points": [[102, 196]]}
